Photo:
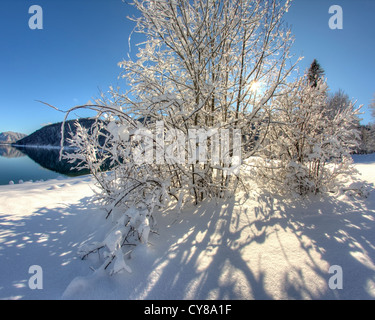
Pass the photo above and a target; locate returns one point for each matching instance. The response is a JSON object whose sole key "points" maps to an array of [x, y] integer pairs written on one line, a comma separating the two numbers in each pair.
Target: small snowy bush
{"points": [[309, 149]]}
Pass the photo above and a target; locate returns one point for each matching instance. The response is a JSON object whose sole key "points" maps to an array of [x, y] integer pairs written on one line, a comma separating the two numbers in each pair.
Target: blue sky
{"points": [[77, 52], [347, 55]]}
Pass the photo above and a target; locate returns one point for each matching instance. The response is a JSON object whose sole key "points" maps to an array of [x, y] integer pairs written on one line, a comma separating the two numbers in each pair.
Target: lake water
{"points": [[42, 164], [32, 164]]}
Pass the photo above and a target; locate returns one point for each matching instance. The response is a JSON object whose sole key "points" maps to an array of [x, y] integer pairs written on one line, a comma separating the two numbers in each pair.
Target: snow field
{"points": [[252, 247]]}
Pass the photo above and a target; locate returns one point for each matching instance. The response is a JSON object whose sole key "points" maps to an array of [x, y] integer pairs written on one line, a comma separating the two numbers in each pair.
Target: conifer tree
{"points": [[315, 73]]}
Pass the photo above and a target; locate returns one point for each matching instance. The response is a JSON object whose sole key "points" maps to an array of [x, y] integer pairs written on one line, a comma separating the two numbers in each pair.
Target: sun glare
{"points": [[255, 86]]}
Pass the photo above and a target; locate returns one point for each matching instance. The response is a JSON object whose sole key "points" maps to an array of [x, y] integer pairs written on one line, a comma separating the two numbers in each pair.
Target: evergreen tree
{"points": [[315, 73]]}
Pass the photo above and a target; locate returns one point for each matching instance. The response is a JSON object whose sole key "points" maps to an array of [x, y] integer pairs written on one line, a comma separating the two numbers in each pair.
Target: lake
{"points": [[32, 164]]}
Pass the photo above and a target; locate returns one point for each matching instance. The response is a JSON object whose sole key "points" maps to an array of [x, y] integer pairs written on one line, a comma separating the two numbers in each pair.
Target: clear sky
{"points": [[77, 52]]}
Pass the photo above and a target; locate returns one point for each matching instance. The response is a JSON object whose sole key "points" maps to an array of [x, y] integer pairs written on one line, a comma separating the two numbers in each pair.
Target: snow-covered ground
{"points": [[255, 247]]}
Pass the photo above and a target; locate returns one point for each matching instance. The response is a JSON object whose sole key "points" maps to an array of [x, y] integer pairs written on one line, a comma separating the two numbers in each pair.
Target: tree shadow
{"points": [[331, 230], [46, 237], [202, 259], [272, 248]]}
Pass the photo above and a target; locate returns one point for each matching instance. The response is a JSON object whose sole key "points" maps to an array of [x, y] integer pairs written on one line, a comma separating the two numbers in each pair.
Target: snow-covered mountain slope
{"points": [[11, 137]]}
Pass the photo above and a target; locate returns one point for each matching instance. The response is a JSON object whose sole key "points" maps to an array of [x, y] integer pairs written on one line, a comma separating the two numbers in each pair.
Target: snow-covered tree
{"points": [[205, 65], [337, 101], [208, 64], [309, 148], [367, 141]]}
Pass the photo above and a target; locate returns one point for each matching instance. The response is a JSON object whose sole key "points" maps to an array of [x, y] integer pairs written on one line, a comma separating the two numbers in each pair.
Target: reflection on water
{"points": [[23, 163], [9, 152], [50, 159]]}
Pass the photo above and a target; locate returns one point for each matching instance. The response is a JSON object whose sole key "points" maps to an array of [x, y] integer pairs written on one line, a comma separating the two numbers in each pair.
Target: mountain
{"points": [[50, 135], [10, 137]]}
